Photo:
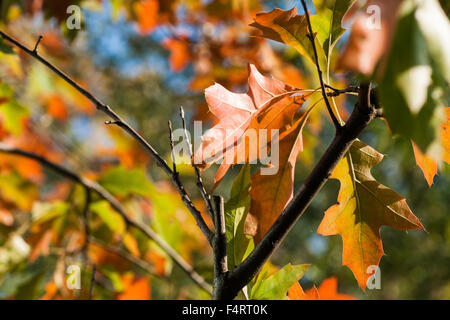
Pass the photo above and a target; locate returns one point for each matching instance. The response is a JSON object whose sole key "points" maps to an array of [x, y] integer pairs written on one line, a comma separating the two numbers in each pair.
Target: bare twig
{"points": [[117, 120], [336, 122], [91, 288], [143, 265], [86, 222], [174, 164], [200, 184], [37, 43], [116, 205], [337, 92]]}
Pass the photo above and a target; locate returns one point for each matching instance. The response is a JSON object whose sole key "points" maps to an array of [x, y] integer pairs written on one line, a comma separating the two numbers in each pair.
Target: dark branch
{"points": [[116, 205], [319, 70], [87, 232], [91, 288], [338, 92], [174, 164], [117, 120], [220, 249]]}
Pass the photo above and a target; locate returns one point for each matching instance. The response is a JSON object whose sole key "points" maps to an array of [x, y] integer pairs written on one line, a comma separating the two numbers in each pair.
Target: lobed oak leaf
{"points": [[269, 104], [286, 27], [364, 205], [270, 193]]}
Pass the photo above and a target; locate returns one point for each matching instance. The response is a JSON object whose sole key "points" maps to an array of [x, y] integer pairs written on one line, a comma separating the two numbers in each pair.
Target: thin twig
{"points": [[143, 265], [116, 205], [91, 288], [337, 92], [336, 122], [37, 44], [174, 164], [200, 184], [117, 120], [86, 222]]}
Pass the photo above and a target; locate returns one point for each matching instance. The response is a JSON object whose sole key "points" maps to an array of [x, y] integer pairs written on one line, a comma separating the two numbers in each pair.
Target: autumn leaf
{"points": [[364, 205], [269, 104], [270, 193], [179, 53], [138, 290], [326, 291], [56, 107], [427, 164], [275, 286], [327, 22], [286, 27], [147, 15]]}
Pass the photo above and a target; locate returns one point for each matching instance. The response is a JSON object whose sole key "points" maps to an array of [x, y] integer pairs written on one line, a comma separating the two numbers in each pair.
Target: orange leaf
{"points": [[270, 193], [43, 246], [147, 15], [56, 107], [236, 113], [326, 291], [179, 53], [427, 164], [364, 205], [138, 290]]}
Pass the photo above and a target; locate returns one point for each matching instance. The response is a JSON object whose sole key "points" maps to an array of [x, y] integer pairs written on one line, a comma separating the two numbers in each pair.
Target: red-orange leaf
{"points": [[270, 193], [147, 15], [427, 164], [269, 104], [326, 291], [179, 53], [138, 290]]}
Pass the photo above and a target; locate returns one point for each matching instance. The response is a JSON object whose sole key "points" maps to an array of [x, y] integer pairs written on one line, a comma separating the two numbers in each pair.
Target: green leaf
{"points": [[13, 112], [414, 88], [327, 22], [123, 182], [27, 281], [111, 218], [6, 48], [45, 211], [276, 286], [236, 209]]}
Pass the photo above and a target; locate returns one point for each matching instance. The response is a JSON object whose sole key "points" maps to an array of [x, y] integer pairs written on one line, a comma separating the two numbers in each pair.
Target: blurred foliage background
{"points": [[145, 66]]}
